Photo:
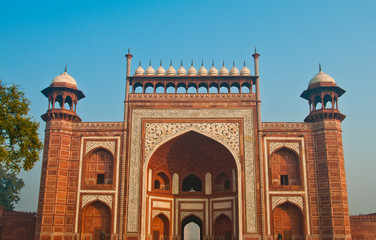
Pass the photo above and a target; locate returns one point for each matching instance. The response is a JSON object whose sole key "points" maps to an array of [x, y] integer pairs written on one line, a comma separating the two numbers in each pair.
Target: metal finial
{"points": [[181, 63], [192, 63], [140, 63], [213, 63], [319, 67], [202, 62], [150, 62], [233, 63], [223, 63], [171, 62], [244, 63], [65, 68], [255, 50], [129, 50], [160, 62]]}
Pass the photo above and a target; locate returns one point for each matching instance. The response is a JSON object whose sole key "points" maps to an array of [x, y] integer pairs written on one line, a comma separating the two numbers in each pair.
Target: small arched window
{"points": [[192, 183], [157, 184]]}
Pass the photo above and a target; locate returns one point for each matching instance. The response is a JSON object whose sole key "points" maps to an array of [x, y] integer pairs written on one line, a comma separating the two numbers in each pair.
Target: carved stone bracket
{"points": [[292, 145], [184, 214], [110, 146], [90, 198], [157, 212], [297, 200], [228, 213]]}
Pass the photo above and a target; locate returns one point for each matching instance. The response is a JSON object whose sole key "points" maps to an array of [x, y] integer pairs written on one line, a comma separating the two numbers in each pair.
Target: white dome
{"points": [[139, 70], [64, 78], [202, 71], [181, 70], [245, 71], [213, 71], [171, 71], [223, 71], [149, 71], [160, 71], [234, 71], [192, 71], [321, 78]]}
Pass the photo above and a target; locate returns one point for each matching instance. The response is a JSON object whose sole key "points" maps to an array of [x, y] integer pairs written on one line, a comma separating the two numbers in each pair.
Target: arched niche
{"points": [[284, 169], [222, 182], [161, 181], [191, 228], [288, 221], [191, 183], [159, 88], [246, 87], [138, 88], [223, 228], [213, 88], [98, 168], [95, 220], [235, 87], [160, 227]]}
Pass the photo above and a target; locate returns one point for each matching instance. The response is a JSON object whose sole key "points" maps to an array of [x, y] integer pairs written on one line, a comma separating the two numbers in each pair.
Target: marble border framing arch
{"points": [[134, 169]]}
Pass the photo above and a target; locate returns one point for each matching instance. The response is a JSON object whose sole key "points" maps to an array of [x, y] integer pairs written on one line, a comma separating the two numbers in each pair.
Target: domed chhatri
{"points": [[321, 77], [171, 70], [160, 71], [149, 71], [223, 71], [202, 71], [64, 79], [234, 71], [139, 70], [192, 71], [245, 71], [213, 71], [181, 70]]}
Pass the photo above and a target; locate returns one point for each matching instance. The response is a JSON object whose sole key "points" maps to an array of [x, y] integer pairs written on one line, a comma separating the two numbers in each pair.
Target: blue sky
{"points": [[39, 37]]}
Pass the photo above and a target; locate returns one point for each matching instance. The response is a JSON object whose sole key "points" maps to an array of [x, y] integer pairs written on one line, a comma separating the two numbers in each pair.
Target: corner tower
{"points": [[330, 191], [59, 178]]}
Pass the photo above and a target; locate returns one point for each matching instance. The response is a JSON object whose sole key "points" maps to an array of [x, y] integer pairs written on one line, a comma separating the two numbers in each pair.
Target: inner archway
{"points": [[288, 221], [96, 220], [222, 228], [187, 160], [160, 227], [191, 228]]}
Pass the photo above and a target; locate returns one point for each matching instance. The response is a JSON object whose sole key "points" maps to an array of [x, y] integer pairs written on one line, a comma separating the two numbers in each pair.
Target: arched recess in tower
{"points": [[288, 221], [204, 170], [96, 221]]}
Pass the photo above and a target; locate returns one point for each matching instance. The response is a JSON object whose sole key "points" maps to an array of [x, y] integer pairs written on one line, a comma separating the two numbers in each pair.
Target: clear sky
{"points": [[39, 37]]}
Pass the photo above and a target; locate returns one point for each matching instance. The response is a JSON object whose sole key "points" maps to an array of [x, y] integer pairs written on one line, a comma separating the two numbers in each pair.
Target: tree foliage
{"points": [[19, 142], [10, 187]]}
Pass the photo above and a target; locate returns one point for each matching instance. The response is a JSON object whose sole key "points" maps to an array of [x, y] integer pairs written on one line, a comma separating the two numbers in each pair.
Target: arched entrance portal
{"points": [[222, 228], [160, 227], [288, 221], [197, 170], [96, 220], [191, 228]]}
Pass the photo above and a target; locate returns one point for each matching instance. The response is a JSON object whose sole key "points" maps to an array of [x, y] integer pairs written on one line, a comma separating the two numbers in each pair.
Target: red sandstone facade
{"points": [[192, 153]]}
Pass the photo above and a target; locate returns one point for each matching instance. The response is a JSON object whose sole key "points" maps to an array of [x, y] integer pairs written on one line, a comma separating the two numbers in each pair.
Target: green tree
{"points": [[10, 187], [19, 142]]}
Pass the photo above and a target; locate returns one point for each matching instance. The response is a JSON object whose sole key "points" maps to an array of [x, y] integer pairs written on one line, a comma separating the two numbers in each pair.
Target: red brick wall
{"points": [[59, 180], [363, 227], [332, 198], [16, 225]]}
